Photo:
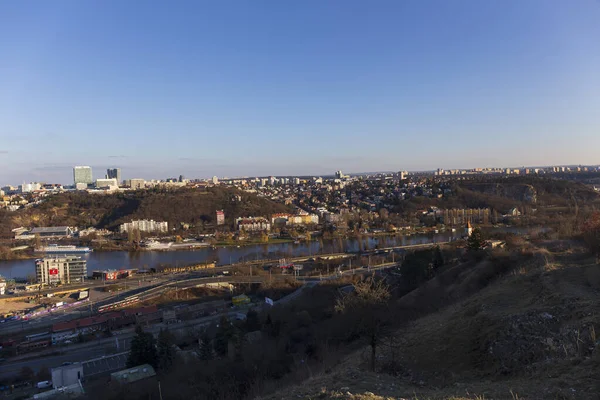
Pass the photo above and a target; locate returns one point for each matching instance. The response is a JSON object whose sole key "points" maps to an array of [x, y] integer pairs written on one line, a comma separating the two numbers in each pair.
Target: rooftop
{"points": [[133, 374], [52, 229]]}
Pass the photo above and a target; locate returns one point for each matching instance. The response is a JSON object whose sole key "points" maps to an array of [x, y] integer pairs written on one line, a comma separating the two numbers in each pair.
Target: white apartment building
{"points": [[145, 225], [253, 224]]}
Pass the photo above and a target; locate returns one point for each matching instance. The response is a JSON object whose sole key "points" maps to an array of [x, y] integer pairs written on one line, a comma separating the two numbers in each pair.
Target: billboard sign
{"points": [[53, 271]]}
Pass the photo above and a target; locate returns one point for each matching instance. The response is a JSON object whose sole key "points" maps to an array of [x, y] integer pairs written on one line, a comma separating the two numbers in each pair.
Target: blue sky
{"points": [[244, 88]]}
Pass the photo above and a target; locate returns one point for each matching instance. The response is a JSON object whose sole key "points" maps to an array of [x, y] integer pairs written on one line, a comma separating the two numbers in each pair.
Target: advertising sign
{"points": [[53, 271]]}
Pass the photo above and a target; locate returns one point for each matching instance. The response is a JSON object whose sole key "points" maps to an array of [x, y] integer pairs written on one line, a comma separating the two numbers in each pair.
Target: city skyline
{"points": [[528, 169], [296, 89]]}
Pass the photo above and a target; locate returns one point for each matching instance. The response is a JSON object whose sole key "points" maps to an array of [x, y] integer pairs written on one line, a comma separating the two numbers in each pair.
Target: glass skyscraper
{"points": [[114, 173], [82, 175]]}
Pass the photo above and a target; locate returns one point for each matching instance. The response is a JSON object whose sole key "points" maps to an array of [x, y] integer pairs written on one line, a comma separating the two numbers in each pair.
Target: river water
{"points": [[231, 254]]}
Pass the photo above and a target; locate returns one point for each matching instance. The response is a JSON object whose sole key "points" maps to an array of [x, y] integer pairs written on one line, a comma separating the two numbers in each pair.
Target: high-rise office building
{"points": [[114, 173], [82, 175], [60, 269]]}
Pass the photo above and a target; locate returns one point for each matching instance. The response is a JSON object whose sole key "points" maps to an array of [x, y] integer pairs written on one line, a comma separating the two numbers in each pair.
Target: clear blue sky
{"points": [[244, 88]]}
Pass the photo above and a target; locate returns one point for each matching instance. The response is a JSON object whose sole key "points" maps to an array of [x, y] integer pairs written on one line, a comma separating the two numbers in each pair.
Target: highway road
{"points": [[8, 370]]}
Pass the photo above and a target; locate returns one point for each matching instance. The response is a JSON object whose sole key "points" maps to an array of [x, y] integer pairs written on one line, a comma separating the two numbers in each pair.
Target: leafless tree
{"points": [[367, 307]]}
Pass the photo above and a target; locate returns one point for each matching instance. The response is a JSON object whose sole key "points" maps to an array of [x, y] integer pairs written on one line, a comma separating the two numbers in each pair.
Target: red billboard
{"points": [[53, 271]]}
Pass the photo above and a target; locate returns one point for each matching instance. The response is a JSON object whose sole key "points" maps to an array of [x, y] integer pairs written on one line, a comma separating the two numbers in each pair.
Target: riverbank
{"points": [[111, 246]]}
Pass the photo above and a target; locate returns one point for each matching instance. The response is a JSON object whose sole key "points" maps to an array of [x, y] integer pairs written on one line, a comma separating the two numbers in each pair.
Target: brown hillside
{"points": [[195, 206], [515, 326]]}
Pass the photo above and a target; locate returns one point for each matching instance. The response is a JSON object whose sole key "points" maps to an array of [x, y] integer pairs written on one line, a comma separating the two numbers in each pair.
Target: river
{"points": [[226, 255]]}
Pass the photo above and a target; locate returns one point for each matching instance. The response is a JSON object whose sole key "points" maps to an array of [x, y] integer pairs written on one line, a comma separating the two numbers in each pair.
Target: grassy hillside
{"points": [[519, 325], [108, 211]]}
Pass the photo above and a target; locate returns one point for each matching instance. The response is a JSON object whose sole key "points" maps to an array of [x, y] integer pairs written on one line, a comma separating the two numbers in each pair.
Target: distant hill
{"points": [[108, 211]]}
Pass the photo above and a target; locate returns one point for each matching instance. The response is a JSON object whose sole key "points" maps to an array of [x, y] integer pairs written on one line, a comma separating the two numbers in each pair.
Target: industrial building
{"points": [[60, 269], [67, 375], [52, 232]]}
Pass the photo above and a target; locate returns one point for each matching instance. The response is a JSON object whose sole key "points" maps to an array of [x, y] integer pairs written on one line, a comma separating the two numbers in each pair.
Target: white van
{"points": [[43, 384]]}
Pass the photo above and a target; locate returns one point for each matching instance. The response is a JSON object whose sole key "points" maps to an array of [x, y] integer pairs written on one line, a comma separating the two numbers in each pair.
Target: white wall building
{"points": [[136, 183], [145, 225], [29, 187], [60, 269], [107, 182], [253, 224]]}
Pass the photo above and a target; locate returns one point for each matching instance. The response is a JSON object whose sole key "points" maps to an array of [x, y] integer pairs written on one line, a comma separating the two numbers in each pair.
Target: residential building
{"points": [[253, 224], [52, 232], [340, 175], [461, 216], [114, 173], [82, 174], [283, 219], [29, 187], [220, 217], [215, 180], [145, 225], [2, 286], [60, 269]]}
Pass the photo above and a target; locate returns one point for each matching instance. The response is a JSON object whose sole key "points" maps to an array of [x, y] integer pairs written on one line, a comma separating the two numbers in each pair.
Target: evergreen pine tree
{"points": [[142, 350], [438, 258], [165, 351], [475, 241], [206, 350], [252, 321], [225, 332]]}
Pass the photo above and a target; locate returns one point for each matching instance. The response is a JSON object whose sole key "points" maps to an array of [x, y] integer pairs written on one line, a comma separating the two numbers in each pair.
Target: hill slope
{"points": [[109, 210], [529, 333]]}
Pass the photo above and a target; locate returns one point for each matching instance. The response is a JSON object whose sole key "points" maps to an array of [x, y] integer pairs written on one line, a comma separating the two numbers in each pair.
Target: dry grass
{"points": [[508, 328]]}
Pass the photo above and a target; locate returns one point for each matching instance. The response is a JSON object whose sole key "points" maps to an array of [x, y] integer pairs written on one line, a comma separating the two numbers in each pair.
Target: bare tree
{"points": [[591, 234], [367, 307]]}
